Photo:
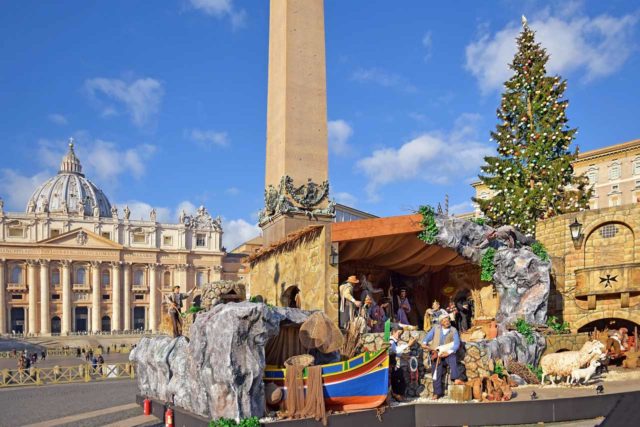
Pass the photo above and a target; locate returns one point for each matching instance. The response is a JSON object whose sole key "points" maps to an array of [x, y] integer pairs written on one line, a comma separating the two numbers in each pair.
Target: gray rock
{"points": [[513, 345], [517, 379], [218, 373]]}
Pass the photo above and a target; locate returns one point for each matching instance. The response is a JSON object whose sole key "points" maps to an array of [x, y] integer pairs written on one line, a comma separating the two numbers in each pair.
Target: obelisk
{"points": [[296, 178]]}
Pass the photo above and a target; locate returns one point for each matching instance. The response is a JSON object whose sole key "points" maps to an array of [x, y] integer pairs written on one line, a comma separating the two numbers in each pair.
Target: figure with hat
{"points": [[348, 303], [175, 299], [432, 315], [443, 341], [404, 307]]}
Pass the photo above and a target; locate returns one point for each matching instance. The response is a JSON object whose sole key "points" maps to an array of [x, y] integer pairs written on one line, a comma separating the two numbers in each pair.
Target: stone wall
{"points": [[565, 342], [609, 246], [306, 266]]}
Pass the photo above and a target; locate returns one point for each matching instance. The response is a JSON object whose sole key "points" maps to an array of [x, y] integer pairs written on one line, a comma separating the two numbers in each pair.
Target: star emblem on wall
{"points": [[608, 279]]}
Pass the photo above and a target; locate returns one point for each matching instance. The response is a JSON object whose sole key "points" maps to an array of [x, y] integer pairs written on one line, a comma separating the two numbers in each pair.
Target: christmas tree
{"points": [[532, 176]]}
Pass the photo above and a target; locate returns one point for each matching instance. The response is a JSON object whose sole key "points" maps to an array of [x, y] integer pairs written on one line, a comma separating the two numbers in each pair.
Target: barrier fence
{"points": [[71, 351], [66, 374]]}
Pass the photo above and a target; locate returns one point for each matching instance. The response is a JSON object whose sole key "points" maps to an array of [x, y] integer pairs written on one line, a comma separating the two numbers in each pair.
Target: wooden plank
{"points": [[377, 227]]}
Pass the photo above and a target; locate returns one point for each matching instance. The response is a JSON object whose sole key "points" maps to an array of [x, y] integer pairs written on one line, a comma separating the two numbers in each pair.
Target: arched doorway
{"points": [[291, 297], [106, 324], [609, 324], [465, 308], [17, 320], [82, 316], [56, 326], [139, 318]]}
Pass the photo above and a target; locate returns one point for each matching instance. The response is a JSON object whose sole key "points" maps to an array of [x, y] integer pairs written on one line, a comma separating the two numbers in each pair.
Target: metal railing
{"points": [[70, 351], [66, 374]]}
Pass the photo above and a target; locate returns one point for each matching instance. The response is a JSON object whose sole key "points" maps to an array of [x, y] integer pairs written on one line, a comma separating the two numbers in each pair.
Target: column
{"points": [[96, 315], [115, 296], [3, 298], [153, 298], [45, 321], [65, 326], [33, 296], [127, 297]]}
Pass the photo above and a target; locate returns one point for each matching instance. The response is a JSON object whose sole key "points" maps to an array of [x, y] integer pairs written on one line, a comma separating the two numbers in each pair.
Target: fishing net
{"points": [[318, 331], [314, 405], [294, 402]]}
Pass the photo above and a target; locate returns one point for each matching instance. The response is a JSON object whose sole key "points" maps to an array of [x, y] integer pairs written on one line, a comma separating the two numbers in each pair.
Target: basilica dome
{"points": [[69, 192]]}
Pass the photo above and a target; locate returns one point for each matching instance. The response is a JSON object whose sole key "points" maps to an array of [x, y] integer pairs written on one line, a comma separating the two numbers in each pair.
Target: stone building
{"points": [[596, 269], [73, 262], [613, 171]]}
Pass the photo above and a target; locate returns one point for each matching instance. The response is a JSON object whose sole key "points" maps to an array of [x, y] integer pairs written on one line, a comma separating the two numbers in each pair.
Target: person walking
{"points": [[100, 364], [43, 355]]}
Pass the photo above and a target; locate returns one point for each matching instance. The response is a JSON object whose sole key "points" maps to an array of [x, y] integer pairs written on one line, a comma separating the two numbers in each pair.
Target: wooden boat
{"points": [[361, 382]]}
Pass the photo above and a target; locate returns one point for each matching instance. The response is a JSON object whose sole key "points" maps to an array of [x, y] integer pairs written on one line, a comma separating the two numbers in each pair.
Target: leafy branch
{"points": [[429, 231], [486, 264], [539, 249], [526, 330]]}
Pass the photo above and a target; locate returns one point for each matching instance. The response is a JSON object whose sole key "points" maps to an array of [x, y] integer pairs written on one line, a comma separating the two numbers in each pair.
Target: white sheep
{"points": [[562, 364], [584, 373]]}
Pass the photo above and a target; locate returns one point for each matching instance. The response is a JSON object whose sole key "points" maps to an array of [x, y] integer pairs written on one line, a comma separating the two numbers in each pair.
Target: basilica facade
{"points": [[73, 262]]}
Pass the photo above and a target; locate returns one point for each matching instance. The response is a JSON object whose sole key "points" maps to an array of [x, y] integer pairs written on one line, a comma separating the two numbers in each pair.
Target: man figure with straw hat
{"points": [[443, 341], [348, 303]]}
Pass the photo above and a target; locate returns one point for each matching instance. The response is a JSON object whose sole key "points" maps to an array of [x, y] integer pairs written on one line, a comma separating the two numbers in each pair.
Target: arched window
{"points": [[16, 274], [166, 279], [636, 166], [201, 277], [55, 277], [138, 278], [106, 323], [614, 171], [105, 278], [81, 276]]}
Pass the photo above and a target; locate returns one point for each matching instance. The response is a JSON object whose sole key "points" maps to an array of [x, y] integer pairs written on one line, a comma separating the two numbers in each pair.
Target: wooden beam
{"points": [[377, 227]]}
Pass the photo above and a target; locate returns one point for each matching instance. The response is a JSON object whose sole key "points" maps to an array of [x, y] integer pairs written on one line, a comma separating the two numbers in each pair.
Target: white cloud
{"points": [[427, 43], [207, 138], [58, 119], [383, 78], [232, 191], [459, 208], [238, 231], [435, 157], [221, 9], [597, 47], [16, 189], [141, 98], [345, 198], [186, 206], [339, 134]]}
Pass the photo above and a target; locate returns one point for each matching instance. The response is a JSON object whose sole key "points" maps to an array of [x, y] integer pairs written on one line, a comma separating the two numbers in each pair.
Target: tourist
{"points": [[348, 303], [43, 355], [441, 335], [433, 314], [100, 364], [108, 349], [175, 307], [396, 377], [34, 358], [94, 363], [404, 308]]}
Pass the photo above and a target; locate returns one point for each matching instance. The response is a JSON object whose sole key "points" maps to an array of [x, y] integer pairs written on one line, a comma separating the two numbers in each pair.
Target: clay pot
{"points": [[476, 387], [493, 330]]}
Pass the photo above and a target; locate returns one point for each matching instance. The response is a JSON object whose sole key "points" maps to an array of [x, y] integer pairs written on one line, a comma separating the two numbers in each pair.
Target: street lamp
{"points": [[576, 231], [334, 257]]}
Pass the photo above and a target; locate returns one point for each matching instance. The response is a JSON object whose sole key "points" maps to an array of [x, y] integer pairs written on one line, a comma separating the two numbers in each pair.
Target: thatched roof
{"points": [[288, 243]]}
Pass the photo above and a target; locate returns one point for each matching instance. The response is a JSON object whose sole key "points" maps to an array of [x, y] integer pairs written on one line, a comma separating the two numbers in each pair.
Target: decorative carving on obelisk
{"points": [[289, 199]]}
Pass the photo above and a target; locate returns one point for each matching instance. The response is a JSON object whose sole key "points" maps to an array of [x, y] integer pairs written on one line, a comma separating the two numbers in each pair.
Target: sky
{"points": [[167, 100]]}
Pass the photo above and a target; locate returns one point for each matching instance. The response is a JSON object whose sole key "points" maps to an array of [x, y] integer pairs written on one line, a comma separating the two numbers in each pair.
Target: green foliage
{"points": [[486, 274], [479, 220], [537, 371], [557, 327], [525, 329], [539, 249], [228, 422], [429, 228], [531, 177], [192, 310], [499, 369]]}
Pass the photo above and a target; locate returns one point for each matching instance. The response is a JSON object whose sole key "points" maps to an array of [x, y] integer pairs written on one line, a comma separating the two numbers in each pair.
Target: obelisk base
{"points": [[283, 225]]}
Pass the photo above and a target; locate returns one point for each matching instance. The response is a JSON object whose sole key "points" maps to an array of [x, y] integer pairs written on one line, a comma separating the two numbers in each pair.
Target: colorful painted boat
{"points": [[358, 383]]}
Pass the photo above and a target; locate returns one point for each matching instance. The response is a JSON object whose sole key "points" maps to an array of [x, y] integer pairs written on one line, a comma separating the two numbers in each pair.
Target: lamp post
{"points": [[576, 232], [334, 257]]}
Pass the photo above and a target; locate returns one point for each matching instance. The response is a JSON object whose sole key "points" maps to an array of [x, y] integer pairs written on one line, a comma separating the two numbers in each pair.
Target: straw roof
{"points": [[288, 243]]}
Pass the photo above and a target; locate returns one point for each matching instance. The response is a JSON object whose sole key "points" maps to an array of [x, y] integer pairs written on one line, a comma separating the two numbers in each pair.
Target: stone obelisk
{"points": [[296, 178]]}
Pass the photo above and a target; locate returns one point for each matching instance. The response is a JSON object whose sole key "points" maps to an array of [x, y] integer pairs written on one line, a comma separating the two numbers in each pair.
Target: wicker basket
{"points": [[302, 360]]}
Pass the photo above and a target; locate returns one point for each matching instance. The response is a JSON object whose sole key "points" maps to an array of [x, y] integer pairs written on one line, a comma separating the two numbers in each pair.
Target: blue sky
{"points": [[167, 100]]}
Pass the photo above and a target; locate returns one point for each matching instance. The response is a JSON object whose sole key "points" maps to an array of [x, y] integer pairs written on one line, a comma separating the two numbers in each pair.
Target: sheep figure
{"points": [[556, 365], [584, 373]]}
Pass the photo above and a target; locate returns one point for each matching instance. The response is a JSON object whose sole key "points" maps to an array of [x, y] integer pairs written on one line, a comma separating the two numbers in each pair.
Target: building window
{"points": [[201, 240], [139, 238], [166, 279], [615, 188], [16, 231], [16, 274], [200, 278], [106, 296], [167, 240], [614, 201], [608, 231], [138, 278], [81, 274], [55, 296], [54, 233], [138, 297], [592, 175], [16, 296], [105, 278], [55, 277], [614, 171], [106, 235], [636, 166]]}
